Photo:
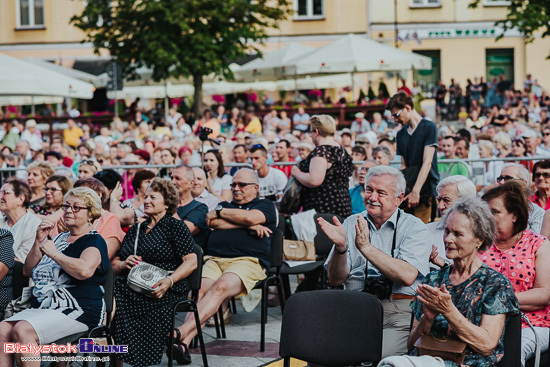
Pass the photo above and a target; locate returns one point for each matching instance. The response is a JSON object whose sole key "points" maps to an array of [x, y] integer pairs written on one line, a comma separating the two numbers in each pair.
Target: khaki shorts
{"points": [[248, 269]]}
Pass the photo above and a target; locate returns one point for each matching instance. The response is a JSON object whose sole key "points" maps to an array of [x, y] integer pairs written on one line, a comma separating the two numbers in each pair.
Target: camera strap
{"points": [[394, 240]]}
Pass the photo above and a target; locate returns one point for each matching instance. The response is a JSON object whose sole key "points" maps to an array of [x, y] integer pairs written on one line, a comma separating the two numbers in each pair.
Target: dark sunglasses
{"points": [[506, 178], [241, 184]]}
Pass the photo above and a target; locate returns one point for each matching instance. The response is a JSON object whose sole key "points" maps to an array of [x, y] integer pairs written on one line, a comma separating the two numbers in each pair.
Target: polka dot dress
{"points": [[7, 258], [142, 322], [518, 265], [333, 194]]}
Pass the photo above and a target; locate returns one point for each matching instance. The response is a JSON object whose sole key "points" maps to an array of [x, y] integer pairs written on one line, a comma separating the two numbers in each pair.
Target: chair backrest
{"points": [[195, 277], [276, 257], [19, 281], [323, 244], [332, 328], [512, 343], [109, 289]]}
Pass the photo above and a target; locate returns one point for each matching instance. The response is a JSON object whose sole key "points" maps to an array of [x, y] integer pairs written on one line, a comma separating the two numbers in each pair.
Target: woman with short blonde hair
{"points": [[38, 173]]}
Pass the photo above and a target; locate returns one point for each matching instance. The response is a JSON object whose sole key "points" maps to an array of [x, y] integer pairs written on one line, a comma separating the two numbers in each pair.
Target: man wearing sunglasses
{"points": [[417, 146], [238, 247]]}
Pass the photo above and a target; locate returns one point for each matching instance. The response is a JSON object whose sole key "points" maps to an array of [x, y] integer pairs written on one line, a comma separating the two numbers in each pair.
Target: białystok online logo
{"points": [[89, 346], [84, 346]]}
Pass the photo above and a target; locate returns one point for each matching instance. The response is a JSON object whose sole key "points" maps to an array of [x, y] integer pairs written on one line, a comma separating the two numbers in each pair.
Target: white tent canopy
{"points": [[358, 54], [319, 82], [28, 100], [153, 91], [99, 81], [20, 77], [274, 65]]}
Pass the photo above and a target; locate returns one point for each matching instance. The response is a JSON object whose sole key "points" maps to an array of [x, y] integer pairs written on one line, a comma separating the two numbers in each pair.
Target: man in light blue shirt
{"points": [[365, 241]]}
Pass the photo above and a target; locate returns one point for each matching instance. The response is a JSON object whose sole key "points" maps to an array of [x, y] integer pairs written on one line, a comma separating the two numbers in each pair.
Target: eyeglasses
{"points": [[54, 189], [544, 175], [545, 134], [361, 143], [396, 115], [241, 184], [506, 178], [88, 162], [74, 208], [6, 192], [100, 161]]}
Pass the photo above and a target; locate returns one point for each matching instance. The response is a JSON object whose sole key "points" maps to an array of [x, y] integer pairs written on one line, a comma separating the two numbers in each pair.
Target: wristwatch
{"points": [[219, 210]]}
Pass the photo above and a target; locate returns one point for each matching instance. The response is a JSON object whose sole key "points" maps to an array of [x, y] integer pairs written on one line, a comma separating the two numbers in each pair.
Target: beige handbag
{"points": [[299, 250]]}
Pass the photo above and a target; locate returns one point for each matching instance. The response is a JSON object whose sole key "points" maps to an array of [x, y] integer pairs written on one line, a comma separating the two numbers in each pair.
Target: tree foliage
{"points": [[179, 38], [529, 17]]}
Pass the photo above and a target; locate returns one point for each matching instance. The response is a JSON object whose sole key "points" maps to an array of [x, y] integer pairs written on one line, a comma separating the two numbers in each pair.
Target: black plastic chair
{"points": [[323, 246], [273, 279], [101, 331], [512, 343], [332, 328], [190, 305], [19, 281]]}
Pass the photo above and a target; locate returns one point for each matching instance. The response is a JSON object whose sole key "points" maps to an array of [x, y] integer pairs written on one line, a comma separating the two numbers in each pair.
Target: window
{"points": [[309, 9], [427, 79], [496, 2], [499, 61], [425, 3], [30, 13]]}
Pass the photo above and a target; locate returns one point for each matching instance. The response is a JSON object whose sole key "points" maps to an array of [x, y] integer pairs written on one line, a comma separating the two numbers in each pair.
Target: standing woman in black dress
{"points": [[143, 322], [325, 172], [324, 175]]}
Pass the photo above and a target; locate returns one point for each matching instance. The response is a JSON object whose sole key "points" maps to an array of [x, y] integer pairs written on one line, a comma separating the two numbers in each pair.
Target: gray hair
{"points": [[383, 149], [481, 219], [465, 187], [189, 173], [523, 173], [399, 183]]}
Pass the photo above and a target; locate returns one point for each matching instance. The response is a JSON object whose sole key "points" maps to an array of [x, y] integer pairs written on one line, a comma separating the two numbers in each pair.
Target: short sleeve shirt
{"points": [[486, 292], [411, 147], [238, 242], [518, 265], [195, 213]]}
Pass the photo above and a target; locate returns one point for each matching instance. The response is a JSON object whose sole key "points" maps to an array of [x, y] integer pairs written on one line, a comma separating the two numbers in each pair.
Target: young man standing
{"points": [[417, 146], [283, 148]]}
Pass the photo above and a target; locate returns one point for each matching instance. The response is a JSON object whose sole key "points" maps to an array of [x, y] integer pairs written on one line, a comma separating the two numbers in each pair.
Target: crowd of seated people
{"points": [[66, 220]]}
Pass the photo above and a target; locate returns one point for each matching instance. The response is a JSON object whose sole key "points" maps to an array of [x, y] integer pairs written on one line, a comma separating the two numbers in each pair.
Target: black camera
{"points": [[379, 286], [204, 132]]}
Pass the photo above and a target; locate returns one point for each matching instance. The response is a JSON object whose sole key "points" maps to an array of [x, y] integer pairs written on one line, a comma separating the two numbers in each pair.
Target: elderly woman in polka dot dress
{"points": [[524, 257], [143, 322]]}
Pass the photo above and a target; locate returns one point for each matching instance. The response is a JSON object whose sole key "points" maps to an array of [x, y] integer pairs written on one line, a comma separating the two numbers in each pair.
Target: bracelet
{"points": [[54, 256], [340, 252], [171, 280], [115, 201]]}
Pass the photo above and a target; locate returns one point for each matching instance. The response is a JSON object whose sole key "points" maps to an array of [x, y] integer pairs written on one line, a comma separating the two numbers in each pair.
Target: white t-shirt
{"points": [[218, 184], [272, 184]]}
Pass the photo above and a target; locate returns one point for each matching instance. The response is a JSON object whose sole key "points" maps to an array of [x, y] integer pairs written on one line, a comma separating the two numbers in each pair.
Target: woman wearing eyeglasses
{"points": [[541, 179], [56, 188], [15, 197], [68, 274]]}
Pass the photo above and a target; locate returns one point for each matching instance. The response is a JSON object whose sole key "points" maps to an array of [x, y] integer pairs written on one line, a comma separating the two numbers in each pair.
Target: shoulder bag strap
{"points": [[137, 237]]}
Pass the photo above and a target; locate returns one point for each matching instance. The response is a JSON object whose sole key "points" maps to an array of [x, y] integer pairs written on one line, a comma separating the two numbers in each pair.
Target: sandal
{"points": [[180, 351]]}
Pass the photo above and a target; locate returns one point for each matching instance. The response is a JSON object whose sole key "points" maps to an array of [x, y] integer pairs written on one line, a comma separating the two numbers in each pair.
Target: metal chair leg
{"points": [[199, 334], [222, 322]]}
